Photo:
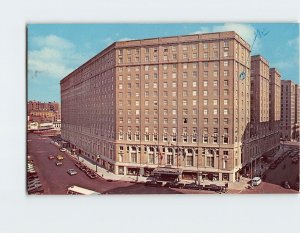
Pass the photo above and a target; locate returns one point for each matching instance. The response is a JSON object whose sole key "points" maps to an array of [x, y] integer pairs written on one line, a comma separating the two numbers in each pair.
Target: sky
{"points": [[55, 50]]}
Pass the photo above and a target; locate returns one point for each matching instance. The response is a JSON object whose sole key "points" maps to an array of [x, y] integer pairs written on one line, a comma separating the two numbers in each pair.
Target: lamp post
{"points": [[97, 158]]}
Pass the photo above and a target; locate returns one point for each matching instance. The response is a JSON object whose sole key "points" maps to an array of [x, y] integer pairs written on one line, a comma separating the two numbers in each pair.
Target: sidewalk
{"points": [[109, 175]]}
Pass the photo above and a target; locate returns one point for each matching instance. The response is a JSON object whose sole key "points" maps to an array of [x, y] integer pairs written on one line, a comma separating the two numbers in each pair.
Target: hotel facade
{"points": [[174, 106]]}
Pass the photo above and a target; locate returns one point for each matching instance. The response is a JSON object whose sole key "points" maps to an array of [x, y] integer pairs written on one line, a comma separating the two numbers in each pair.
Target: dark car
{"points": [[153, 183], [286, 185], [177, 185], [213, 187], [193, 186]]}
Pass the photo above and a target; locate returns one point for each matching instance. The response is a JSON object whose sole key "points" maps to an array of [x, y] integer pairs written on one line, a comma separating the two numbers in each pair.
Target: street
{"points": [[285, 171], [56, 180]]}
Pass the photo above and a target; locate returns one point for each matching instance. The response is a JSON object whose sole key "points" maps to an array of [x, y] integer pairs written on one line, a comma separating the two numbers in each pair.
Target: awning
{"points": [[166, 171]]}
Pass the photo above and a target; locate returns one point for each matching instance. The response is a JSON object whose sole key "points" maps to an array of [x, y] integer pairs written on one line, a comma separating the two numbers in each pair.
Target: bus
{"points": [[76, 190]]}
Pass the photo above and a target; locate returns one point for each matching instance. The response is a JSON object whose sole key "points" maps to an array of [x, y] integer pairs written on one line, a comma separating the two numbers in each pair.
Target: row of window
{"points": [[172, 48], [174, 75], [174, 66], [185, 139]]}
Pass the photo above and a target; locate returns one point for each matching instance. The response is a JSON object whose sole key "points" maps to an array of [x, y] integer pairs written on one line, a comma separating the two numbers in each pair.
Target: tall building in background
{"points": [[176, 106], [297, 113], [288, 109], [275, 104], [265, 109]]}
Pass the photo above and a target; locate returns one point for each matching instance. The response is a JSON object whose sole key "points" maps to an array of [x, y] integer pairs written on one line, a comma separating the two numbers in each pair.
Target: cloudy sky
{"points": [[55, 50]]}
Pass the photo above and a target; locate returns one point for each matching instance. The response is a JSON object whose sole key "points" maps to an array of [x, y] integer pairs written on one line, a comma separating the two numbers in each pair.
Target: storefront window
{"points": [[121, 170]]}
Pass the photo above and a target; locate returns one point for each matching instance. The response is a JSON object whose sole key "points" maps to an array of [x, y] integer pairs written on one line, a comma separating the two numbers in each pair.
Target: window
{"points": [[205, 121], [189, 160], [225, 92], [215, 83], [205, 46], [184, 65], [194, 93], [194, 55], [170, 159], [205, 83], [225, 111], [184, 102], [226, 73], [174, 75], [215, 111], [210, 161], [205, 74], [215, 102], [215, 120], [151, 158], [194, 102], [205, 102], [194, 84], [174, 112], [205, 111], [194, 121], [154, 85], [173, 84], [205, 64], [146, 85], [225, 53], [184, 84], [226, 102], [205, 93], [226, 120], [205, 55], [215, 73], [174, 93], [133, 157], [225, 83], [165, 85], [120, 86], [225, 63]]}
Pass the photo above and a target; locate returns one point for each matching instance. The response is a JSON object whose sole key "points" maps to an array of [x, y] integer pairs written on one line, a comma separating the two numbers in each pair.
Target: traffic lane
{"points": [[55, 179], [285, 171], [269, 188]]}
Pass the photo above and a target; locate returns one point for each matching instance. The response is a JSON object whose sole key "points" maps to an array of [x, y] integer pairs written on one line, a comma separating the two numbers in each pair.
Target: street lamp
{"points": [[97, 158]]}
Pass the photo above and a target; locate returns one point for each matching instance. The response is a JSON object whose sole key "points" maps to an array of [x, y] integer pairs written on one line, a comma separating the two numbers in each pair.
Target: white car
{"points": [[72, 172], [62, 149], [256, 181]]}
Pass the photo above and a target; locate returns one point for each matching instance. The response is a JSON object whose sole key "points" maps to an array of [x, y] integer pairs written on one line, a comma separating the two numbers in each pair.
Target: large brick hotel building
{"points": [[175, 106]]}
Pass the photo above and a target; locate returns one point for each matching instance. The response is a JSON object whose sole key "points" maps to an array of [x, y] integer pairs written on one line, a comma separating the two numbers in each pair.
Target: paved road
{"points": [[274, 177], [55, 179]]}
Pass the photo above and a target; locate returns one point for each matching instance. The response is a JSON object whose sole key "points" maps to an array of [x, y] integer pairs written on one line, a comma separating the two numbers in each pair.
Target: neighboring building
{"points": [[265, 109], [57, 125], [297, 111], [275, 104], [288, 110], [43, 112], [177, 105]]}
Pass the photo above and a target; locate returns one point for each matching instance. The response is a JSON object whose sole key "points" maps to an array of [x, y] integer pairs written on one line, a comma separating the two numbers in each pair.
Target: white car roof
{"points": [[256, 178]]}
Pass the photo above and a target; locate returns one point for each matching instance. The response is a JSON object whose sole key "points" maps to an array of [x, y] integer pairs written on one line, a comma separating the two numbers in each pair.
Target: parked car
{"points": [[177, 185], [51, 157], [152, 183], [213, 187], [193, 186], [62, 149], [71, 172], [58, 163], [59, 157], [92, 175], [256, 181]]}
